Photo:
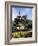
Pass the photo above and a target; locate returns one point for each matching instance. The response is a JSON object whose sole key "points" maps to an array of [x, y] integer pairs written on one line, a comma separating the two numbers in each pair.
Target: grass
{"points": [[21, 34]]}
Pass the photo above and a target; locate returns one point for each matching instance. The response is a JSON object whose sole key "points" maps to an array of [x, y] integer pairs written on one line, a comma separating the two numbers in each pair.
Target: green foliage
{"points": [[26, 22], [29, 23], [22, 34]]}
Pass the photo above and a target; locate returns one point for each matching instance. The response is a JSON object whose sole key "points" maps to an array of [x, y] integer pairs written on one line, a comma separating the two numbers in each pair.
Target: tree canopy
{"points": [[24, 21]]}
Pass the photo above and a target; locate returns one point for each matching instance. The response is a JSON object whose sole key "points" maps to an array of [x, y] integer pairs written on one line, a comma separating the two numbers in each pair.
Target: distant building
{"points": [[21, 26], [21, 18], [24, 17]]}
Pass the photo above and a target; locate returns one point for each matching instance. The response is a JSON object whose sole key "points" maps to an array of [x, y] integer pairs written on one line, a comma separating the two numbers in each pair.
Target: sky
{"points": [[23, 11]]}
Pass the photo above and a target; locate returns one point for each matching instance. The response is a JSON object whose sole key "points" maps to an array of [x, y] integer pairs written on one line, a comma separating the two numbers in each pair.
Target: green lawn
{"points": [[22, 34]]}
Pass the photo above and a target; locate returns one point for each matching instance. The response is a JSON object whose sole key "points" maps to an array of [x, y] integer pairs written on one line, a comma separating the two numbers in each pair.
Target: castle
{"points": [[21, 19]]}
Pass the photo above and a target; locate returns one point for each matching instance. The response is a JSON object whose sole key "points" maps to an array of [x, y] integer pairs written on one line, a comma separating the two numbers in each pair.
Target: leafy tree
{"points": [[26, 22]]}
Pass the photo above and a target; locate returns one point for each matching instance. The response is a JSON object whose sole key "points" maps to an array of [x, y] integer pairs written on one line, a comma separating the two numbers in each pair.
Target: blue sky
{"points": [[23, 11]]}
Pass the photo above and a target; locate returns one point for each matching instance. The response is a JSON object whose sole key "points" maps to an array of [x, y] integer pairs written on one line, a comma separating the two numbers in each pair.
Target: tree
{"points": [[24, 21], [29, 23], [16, 23]]}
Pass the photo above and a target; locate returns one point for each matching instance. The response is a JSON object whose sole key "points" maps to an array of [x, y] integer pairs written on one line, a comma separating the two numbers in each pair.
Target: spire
{"points": [[19, 12]]}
